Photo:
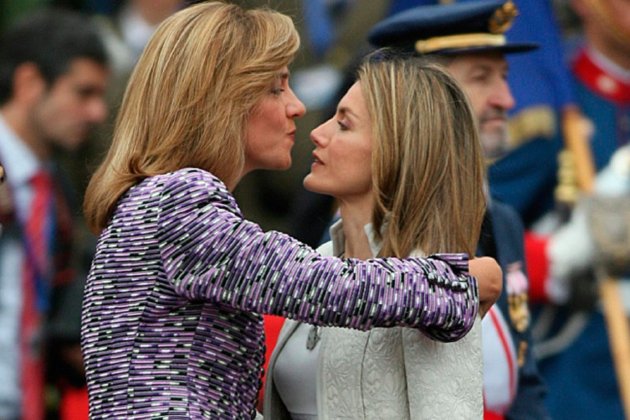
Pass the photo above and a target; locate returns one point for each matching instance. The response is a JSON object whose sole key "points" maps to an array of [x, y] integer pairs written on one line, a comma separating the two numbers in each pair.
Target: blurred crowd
{"points": [[566, 172]]}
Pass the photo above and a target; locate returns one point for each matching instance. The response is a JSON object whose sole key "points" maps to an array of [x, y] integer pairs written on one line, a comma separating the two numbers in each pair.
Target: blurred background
{"points": [[539, 177]]}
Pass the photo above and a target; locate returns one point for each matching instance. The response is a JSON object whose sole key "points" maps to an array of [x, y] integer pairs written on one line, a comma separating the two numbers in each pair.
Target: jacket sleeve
{"points": [[211, 253]]}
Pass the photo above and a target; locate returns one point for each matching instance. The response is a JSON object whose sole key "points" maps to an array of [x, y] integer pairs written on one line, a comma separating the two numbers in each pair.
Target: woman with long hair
{"points": [[403, 159], [171, 323]]}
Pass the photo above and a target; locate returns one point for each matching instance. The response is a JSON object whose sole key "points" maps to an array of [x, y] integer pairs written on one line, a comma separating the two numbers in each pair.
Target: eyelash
{"points": [[277, 91], [342, 126]]}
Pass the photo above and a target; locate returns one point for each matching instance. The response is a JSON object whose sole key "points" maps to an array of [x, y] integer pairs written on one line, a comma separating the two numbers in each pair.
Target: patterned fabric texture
{"points": [[393, 373], [170, 324]]}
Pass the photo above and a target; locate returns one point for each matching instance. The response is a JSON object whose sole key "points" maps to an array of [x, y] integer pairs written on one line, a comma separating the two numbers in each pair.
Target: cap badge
{"points": [[502, 18]]}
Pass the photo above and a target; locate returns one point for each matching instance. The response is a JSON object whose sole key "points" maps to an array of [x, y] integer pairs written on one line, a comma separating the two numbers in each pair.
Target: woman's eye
{"points": [[342, 126], [277, 91]]}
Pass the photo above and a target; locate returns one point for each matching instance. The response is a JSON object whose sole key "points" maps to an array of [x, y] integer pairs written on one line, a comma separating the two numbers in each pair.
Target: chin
{"points": [[277, 166], [276, 162], [285, 165], [312, 185], [69, 144]]}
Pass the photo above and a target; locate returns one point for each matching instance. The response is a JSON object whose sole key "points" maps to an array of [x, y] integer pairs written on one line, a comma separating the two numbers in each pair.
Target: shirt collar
{"points": [[19, 162], [602, 76], [608, 65], [338, 238]]}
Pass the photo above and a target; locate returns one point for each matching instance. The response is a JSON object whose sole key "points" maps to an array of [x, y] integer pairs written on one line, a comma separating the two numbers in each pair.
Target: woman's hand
{"points": [[489, 279]]}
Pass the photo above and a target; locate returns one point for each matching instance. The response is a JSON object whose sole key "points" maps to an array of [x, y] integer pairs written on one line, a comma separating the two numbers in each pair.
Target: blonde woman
{"points": [[403, 159], [171, 324]]}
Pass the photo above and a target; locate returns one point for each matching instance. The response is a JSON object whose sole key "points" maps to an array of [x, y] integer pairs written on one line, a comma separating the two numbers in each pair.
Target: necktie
{"points": [[35, 284]]}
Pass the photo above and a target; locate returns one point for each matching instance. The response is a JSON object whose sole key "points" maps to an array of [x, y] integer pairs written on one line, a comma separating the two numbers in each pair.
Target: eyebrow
{"points": [[344, 110], [489, 67], [283, 75]]}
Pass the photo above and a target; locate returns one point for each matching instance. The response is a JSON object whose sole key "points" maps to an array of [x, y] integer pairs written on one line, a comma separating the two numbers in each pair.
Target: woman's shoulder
{"points": [[185, 178], [190, 187], [194, 182], [191, 178]]}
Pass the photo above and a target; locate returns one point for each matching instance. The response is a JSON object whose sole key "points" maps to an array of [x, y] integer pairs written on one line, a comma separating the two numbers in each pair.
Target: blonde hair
{"points": [[189, 98], [427, 164]]}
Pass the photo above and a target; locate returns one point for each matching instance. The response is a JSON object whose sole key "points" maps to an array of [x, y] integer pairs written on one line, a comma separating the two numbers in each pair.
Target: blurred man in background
{"points": [[53, 75], [469, 39]]}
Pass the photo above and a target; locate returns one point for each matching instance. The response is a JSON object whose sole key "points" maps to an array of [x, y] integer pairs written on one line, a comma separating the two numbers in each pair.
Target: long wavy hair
{"points": [[189, 97], [427, 164]]}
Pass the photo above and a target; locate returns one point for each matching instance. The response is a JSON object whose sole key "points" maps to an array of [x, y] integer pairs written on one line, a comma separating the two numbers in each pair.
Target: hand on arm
{"points": [[489, 280], [211, 253]]}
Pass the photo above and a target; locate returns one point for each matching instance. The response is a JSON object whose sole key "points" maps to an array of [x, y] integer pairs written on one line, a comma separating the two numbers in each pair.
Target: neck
{"points": [[18, 122], [232, 184], [356, 214]]}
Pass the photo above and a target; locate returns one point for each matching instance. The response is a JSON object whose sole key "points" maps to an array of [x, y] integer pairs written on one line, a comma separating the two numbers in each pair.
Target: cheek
{"points": [[478, 100], [254, 139], [363, 173], [354, 167], [61, 112], [48, 119], [265, 127]]}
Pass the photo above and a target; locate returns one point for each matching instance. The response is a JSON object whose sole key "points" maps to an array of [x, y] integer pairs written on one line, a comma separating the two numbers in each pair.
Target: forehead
{"points": [[489, 60], [84, 71], [353, 99]]}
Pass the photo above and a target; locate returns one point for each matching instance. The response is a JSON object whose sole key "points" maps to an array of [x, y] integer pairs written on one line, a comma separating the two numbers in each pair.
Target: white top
{"points": [[384, 373], [298, 391]]}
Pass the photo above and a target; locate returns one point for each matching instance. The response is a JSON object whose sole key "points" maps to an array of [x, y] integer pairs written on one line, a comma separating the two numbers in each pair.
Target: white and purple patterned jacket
{"points": [[170, 321]]}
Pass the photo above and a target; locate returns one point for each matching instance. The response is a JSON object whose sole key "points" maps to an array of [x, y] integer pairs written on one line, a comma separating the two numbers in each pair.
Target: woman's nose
{"points": [[295, 107], [320, 134]]}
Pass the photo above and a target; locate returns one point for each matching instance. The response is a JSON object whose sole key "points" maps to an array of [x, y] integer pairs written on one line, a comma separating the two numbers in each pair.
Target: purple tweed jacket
{"points": [[171, 324]]}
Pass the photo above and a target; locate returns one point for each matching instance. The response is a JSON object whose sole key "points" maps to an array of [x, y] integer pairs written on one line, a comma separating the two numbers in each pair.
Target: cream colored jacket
{"points": [[387, 373]]}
